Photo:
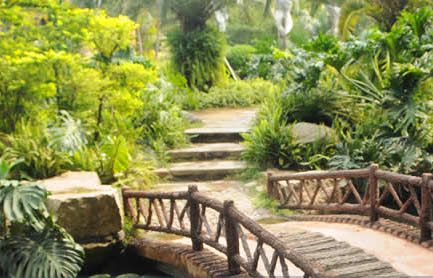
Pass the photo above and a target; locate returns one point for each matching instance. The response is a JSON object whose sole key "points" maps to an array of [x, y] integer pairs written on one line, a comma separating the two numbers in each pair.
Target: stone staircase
{"points": [[214, 155]]}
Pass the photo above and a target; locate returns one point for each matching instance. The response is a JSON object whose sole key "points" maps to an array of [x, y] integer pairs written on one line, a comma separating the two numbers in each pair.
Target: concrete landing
{"points": [[217, 134], [208, 151], [226, 117], [202, 170], [222, 125]]}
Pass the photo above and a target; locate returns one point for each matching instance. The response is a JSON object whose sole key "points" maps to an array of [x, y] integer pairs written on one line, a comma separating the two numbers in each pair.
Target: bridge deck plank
{"points": [[363, 270], [336, 258], [333, 253]]}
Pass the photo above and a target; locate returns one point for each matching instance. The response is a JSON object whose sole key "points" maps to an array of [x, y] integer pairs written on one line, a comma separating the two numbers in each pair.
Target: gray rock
{"points": [[308, 132], [190, 117], [84, 207]]}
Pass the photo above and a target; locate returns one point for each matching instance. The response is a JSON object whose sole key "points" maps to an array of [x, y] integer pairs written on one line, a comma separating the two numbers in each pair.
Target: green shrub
{"points": [[160, 120], [313, 106], [34, 145], [271, 144], [238, 57], [198, 55], [241, 93], [117, 162]]}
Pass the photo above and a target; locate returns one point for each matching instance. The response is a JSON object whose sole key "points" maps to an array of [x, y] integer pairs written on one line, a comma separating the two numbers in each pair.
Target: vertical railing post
{"points": [[195, 228], [374, 216], [232, 237], [270, 185], [127, 206], [426, 205]]}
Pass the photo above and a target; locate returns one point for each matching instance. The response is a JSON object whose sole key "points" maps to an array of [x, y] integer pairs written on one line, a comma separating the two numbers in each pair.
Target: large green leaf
{"points": [[7, 167], [117, 154], [20, 202], [70, 136], [46, 254]]}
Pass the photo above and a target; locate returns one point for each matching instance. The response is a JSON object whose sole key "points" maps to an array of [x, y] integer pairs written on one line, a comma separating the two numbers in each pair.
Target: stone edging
{"points": [[401, 230], [195, 263]]}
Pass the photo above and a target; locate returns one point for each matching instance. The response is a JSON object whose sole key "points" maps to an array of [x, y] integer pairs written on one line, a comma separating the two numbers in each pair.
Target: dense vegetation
{"points": [[375, 90], [100, 86]]}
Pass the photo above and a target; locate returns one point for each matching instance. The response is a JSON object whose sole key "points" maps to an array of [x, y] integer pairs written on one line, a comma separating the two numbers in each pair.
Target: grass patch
{"points": [[261, 199]]}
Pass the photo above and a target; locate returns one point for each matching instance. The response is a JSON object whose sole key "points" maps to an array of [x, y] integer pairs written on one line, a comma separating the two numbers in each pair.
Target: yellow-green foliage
{"points": [[57, 60], [241, 93], [107, 34]]}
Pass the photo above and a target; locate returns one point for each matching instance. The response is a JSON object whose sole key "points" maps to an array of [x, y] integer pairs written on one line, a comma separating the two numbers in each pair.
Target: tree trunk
{"points": [[158, 38], [99, 118], [140, 41]]}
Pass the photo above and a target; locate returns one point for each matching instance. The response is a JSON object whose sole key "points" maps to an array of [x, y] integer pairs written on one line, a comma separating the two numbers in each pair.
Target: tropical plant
{"points": [[7, 169], [314, 106], [69, 135], [197, 49], [31, 244], [271, 144], [198, 55], [33, 144], [193, 14]]}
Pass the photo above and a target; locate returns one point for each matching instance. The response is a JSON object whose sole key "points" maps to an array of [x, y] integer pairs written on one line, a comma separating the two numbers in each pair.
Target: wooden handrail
{"points": [[372, 201], [400, 178], [233, 218], [357, 173]]}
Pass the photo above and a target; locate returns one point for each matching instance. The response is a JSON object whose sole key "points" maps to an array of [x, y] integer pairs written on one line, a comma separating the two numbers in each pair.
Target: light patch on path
{"points": [[404, 256], [223, 118]]}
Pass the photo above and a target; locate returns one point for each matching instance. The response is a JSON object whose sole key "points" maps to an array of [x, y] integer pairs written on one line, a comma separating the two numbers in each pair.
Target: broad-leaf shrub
{"points": [[31, 244]]}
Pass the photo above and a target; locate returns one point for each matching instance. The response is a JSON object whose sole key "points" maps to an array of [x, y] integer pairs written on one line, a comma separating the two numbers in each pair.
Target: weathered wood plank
{"points": [[346, 261], [295, 238], [328, 246], [333, 253], [313, 242], [362, 270]]}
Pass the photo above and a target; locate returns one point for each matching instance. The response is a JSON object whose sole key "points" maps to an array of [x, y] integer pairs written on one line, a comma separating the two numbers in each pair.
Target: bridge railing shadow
{"points": [[368, 191], [220, 225]]}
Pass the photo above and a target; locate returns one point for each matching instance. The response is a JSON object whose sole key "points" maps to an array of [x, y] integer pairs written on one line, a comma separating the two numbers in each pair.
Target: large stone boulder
{"points": [[87, 210], [308, 132]]}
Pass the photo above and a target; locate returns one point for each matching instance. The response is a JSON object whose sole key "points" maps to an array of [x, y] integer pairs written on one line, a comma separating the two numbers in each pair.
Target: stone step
{"points": [[202, 170], [216, 134], [208, 151]]}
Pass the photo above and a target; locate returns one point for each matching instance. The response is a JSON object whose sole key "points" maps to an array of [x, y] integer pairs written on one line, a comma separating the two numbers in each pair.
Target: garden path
{"points": [[215, 154]]}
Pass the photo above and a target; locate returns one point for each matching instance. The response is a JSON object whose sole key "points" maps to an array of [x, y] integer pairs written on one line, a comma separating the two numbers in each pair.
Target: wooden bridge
{"points": [[252, 250]]}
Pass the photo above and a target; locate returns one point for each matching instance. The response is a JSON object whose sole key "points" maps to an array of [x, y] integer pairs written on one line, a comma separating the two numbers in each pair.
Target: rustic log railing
{"points": [[208, 221], [369, 191]]}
